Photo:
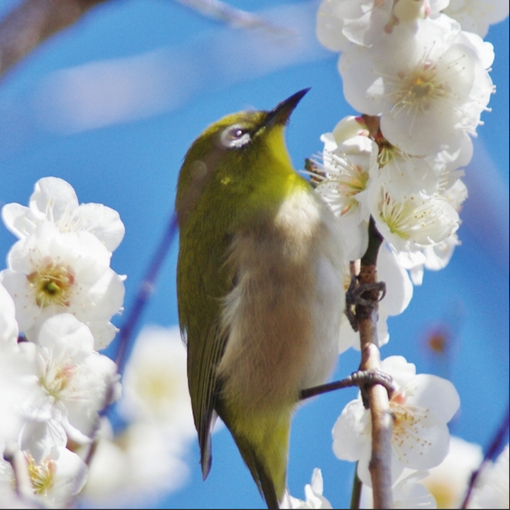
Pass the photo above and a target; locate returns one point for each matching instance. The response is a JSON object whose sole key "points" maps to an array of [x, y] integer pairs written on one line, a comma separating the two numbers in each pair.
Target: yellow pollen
{"points": [[56, 379], [41, 475], [420, 88], [387, 151], [52, 284], [394, 215]]}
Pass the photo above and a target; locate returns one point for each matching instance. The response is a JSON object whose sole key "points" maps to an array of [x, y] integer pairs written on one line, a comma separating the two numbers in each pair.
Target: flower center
{"points": [[387, 151], [343, 181], [41, 475], [56, 378], [420, 88], [52, 284], [408, 423], [395, 215]]}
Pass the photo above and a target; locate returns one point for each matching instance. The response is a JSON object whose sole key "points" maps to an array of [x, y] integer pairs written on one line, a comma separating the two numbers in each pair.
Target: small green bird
{"points": [[260, 287]]}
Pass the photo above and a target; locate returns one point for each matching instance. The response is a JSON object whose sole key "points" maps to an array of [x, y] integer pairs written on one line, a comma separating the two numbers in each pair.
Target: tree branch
{"points": [[34, 21], [144, 292], [495, 446], [382, 421]]}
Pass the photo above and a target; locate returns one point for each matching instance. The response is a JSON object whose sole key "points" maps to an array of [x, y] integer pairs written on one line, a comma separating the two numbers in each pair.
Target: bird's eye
{"points": [[235, 136]]}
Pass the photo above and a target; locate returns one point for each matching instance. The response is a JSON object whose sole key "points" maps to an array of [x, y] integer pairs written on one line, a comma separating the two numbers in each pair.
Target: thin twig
{"points": [[144, 292], [495, 446], [236, 18], [359, 379], [31, 22]]}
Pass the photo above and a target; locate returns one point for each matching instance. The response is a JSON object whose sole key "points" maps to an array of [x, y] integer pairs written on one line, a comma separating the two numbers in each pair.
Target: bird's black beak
{"points": [[281, 113]]}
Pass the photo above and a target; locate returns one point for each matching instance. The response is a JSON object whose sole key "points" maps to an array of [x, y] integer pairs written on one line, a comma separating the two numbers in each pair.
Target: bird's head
{"points": [[235, 154]]}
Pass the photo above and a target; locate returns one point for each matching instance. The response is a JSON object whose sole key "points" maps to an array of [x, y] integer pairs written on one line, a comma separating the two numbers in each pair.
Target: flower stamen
{"points": [[52, 285]]}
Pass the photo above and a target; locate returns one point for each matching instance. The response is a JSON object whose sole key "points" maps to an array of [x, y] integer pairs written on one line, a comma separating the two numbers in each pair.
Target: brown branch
{"points": [[382, 421], [32, 22]]}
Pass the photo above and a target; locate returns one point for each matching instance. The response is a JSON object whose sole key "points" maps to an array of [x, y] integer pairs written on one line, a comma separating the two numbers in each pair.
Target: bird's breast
{"points": [[282, 318]]}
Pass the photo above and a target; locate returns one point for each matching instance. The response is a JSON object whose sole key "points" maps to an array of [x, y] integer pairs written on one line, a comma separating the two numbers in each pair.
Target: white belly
{"points": [[283, 316]]}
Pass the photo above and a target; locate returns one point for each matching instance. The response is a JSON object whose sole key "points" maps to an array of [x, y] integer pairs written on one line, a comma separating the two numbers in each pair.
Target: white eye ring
{"points": [[235, 136]]}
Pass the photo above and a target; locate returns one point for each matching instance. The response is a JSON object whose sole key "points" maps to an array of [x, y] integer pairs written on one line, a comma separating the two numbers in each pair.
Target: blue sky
{"points": [[112, 104]]}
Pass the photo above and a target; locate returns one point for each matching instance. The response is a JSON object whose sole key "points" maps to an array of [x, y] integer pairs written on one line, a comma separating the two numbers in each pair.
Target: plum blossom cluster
{"points": [[57, 296], [421, 406], [144, 456], [418, 73], [313, 494]]}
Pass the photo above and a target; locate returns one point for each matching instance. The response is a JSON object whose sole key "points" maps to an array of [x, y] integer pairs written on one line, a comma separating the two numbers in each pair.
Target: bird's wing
{"points": [[203, 358], [203, 280]]}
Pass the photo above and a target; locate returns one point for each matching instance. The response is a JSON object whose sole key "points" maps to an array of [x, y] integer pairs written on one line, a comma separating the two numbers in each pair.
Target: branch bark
{"points": [[382, 421], [34, 21]]}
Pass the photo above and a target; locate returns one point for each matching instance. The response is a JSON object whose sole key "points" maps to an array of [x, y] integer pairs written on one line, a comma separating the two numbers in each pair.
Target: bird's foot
{"points": [[355, 297], [363, 379]]}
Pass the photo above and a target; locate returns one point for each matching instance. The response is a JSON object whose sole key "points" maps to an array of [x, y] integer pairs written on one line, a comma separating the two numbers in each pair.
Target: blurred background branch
{"points": [[32, 22], [225, 13]]}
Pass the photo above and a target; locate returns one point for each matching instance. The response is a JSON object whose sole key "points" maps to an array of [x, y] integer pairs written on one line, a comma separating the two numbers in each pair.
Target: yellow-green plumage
{"points": [[260, 287]]}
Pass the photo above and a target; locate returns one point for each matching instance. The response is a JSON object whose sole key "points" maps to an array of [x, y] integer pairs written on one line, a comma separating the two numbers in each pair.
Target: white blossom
{"points": [[109, 468], [155, 383], [55, 201], [145, 461], [313, 495], [341, 22], [50, 272], [435, 256], [55, 473], [404, 174], [348, 127], [75, 381], [147, 457], [476, 15], [432, 90], [491, 489], [362, 22], [18, 385], [8, 325], [411, 222], [448, 482], [422, 405], [343, 180], [408, 492]]}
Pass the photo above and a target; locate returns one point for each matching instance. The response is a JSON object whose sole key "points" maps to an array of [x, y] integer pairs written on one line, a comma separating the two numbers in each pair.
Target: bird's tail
{"points": [[264, 446]]}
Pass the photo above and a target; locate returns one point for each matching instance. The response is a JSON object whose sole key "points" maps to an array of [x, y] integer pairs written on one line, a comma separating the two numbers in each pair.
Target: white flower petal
{"points": [[350, 431], [20, 220], [54, 201], [53, 197], [425, 392], [8, 325], [53, 272], [101, 221]]}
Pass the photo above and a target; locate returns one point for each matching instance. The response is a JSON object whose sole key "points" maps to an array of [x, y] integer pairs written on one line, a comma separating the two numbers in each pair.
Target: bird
{"points": [[260, 287]]}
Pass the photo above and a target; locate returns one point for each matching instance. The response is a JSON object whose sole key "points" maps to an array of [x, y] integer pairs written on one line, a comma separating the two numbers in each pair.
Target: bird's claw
{"points": [[354, 297], [365, 379]]}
